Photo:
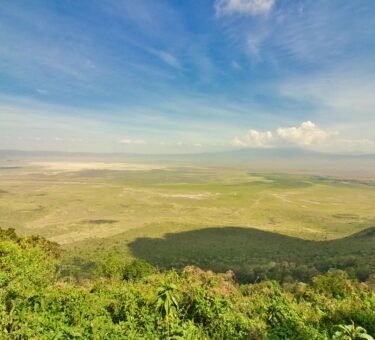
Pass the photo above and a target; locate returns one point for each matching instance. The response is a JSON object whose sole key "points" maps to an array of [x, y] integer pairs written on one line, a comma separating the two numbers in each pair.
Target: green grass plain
{"points": [[214, 217]]}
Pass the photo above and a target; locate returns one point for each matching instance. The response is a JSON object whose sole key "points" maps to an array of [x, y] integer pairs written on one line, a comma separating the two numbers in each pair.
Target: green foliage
{"points": [[111, 266], [256, 255], [131, 300], [351, 332], [114, 266], [166, 303], [52, 248], [25, 272], [334, 284], [137, 269]]}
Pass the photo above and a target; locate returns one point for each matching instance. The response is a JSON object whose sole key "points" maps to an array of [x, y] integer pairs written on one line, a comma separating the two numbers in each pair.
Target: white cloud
{"points": [[238, 142], [132, 141], [254, 44], [341, 91], [169, 59], [58, 139], [236, 65], [245, 7], [254, 138], [42, 91], [306, 134]]}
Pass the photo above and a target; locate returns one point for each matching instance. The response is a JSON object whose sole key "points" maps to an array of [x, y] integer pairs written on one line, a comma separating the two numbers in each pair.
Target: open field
{"points": [[171, 215]]}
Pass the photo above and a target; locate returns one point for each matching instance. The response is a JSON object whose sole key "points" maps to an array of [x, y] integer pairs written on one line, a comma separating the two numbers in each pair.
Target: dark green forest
{"points": [[43, 297]]}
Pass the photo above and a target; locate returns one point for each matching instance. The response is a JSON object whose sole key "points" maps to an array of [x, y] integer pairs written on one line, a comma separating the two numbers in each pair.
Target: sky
{"points": [[168, 76]]}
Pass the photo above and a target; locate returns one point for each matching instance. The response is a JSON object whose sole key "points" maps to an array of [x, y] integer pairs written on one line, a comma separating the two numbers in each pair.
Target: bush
{"points": [[137, 269], [335, 284], [192, 305]]}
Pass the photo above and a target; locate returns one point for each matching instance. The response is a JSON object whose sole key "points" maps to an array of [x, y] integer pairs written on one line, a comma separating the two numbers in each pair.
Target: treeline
{"points": [[284, 272], [357, 268], [131, 299]]}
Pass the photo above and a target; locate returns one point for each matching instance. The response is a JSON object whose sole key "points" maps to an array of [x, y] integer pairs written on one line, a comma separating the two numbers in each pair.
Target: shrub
{"points": [[194, 304], [335, 284], [137, 269]]}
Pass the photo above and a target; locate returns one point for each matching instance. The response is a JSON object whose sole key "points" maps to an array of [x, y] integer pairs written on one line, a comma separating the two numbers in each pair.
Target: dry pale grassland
{"points": [[85, 204]]}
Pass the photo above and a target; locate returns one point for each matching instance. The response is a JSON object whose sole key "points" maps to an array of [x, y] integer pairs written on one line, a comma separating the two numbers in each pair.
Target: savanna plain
{"points": [[215, 217]]}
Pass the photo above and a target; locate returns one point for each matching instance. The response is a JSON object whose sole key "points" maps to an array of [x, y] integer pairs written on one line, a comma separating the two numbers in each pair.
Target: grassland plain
{"points": [[174, 214]]}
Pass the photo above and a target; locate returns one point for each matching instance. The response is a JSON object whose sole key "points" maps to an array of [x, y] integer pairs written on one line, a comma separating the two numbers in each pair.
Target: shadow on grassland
{"points": [[240, 249]]}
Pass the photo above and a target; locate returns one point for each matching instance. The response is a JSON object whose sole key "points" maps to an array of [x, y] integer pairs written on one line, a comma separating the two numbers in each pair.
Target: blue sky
{"points": [[187, 76]]}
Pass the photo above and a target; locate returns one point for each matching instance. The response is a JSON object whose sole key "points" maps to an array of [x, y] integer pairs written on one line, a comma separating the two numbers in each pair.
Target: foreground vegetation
{"points": [[132, 299]]}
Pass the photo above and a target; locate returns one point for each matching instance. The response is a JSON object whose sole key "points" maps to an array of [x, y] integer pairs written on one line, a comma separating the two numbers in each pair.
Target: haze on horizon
{"points": [[187, 76]]}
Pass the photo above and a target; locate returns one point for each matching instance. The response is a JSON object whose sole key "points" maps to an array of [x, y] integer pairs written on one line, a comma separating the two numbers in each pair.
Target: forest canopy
{"points": [[132, 298]]}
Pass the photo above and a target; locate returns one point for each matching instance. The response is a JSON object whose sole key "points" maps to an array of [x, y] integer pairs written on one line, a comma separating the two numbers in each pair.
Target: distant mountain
{"points": [[240, 154], [271, 159]]}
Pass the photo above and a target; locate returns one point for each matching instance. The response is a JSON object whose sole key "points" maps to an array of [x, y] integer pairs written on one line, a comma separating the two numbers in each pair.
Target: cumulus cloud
{"points": [[306, 134], [254, 138], [132, 141], [245, 7]]}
